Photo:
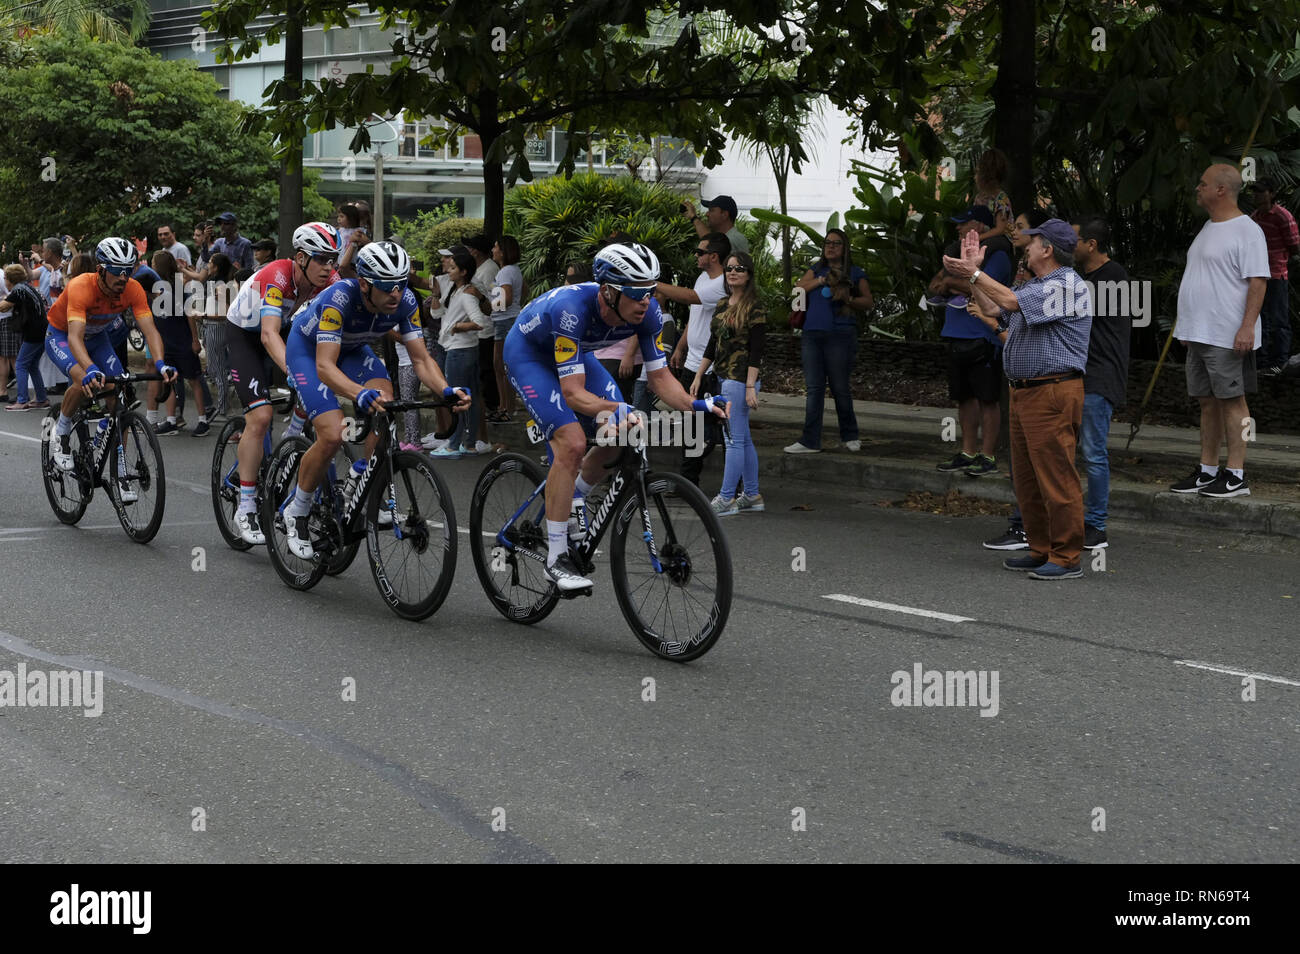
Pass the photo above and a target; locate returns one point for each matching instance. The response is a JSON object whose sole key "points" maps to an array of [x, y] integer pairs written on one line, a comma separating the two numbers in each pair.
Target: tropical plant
{"points": [[559, 220], [115, 21], [445, 234], [414, 233]]}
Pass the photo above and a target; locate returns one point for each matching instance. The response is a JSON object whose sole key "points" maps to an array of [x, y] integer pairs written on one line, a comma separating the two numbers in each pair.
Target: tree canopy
{"points": [[104, 138]]}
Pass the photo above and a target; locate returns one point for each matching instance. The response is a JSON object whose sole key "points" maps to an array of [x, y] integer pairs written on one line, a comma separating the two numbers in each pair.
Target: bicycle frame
{"points": [[628, 478]]}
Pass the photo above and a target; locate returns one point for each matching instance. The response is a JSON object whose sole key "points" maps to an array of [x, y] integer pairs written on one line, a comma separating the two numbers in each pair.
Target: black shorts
{"points": [[974, 372], [248, 364], [184, 360]]}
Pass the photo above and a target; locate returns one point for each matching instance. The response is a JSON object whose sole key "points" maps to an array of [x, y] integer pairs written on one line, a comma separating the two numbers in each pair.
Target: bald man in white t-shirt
{"points": [[1219, 300]]}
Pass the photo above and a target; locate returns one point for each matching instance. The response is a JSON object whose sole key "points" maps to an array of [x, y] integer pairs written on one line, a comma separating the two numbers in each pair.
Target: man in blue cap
{"points": [[720, 215], [1048, 322], [235, 247]]}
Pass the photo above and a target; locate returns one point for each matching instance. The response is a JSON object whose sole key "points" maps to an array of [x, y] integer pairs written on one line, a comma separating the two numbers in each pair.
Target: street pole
{"points": [[377, 208]]}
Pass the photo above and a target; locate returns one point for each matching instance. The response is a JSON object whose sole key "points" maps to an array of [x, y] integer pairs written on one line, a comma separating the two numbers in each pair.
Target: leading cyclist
{"points": [[550, 358], [328, 353], [78, 342]]}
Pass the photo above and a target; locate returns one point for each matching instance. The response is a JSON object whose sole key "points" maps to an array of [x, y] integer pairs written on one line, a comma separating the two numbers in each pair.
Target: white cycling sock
{"points": [[557, 540], [300, 505], [63, 426], [582, 487], [151, 416], [296, 422], [247, 497]]}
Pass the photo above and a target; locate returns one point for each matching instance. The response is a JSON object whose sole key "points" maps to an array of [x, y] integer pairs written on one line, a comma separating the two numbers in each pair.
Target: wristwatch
{"points": [[975, 277]]}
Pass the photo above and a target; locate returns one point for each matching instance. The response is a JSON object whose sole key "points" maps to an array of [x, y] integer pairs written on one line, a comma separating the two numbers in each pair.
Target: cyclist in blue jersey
{"points": [[328, 353], [550, 359]]}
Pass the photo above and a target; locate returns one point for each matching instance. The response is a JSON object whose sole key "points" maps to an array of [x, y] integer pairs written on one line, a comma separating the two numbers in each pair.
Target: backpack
{"points": [[29, 308]]}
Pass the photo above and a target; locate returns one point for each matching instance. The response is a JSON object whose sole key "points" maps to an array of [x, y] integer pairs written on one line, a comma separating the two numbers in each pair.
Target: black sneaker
{"points": [[1013, 539], [958, 462], [1094, 539], [1226, 485], [201, 429], [983, 467], [566, 576], [1193, 483], [166, 428]]}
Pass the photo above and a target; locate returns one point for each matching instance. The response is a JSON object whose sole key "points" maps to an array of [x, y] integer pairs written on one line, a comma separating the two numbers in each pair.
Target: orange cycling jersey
{"points": [[82, 300]]}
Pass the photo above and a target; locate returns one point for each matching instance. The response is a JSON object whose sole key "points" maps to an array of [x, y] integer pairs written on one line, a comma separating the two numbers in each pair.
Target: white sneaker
{"points": [[797, 448], [250, 528], [299, 537], [432, 441], [482, 447], [853, 446], [385, 516]]}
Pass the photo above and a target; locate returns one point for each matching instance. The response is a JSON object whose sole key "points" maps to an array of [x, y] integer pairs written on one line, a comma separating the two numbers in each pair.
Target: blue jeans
{"points": [[642, 396], [742, 457], [828, 355], [29, 358], [1096, 458], [462, 372], [1276, 341]]}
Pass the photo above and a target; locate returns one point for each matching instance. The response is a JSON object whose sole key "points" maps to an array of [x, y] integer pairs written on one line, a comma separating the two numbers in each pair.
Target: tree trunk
{"points": [[781, 182], [494, 188], [291, 164], [1014, 95]]}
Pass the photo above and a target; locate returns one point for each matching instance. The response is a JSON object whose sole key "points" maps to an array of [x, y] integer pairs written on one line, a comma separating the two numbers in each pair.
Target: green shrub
{"points": [[445, 234], [558, 220], [414, 233]]}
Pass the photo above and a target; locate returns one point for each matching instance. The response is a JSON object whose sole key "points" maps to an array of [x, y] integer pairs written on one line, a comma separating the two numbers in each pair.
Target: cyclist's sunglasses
{"points": [[389, 286], [636, 292], [329, 261], [118, 270]]}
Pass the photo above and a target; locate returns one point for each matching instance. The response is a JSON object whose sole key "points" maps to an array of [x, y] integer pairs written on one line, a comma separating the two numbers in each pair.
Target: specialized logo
{"points": [[275, 297], [566, 349], [331, 320], [568, 321], [557, 400]]}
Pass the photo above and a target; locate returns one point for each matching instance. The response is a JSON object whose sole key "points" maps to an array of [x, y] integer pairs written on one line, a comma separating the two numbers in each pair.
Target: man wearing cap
{"points": [[263, 252], [235, 247], [1048, 321], [719, 216], [974, 361]]}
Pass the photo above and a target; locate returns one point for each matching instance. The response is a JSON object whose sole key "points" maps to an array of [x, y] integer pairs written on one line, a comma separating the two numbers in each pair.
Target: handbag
{"points": [[797, 318]]}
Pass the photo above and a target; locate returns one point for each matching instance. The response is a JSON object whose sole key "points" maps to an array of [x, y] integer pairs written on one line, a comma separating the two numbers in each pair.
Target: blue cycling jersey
{"points": [[565, 322], [339, 316]]}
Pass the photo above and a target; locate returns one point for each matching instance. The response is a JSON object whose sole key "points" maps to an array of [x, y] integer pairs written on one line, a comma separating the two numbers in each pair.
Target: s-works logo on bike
{"points": [[77, 907]]}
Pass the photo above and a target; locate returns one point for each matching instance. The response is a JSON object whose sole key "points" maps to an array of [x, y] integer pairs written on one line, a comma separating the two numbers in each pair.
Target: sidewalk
{"points": [[902, 444]]}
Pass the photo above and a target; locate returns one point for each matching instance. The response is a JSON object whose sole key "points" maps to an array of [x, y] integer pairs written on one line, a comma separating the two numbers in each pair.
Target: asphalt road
{"points": [[223, 705]]}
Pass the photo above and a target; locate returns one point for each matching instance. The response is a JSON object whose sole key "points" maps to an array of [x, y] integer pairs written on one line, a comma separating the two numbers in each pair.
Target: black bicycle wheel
{"points": [[413, 559], [281, 479], [516, 584], [225, 484], [342, 558], [677, 613], [135, 470], [69, 493]]}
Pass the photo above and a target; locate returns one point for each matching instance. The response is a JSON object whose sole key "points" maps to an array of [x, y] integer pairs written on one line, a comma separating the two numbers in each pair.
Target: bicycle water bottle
{"points": [[101, 434], [354, 475]]}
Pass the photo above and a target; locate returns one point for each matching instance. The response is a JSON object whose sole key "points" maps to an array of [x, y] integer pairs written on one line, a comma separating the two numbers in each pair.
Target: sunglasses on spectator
{"points": [[736, 268], [702, 251], [635, 292]]}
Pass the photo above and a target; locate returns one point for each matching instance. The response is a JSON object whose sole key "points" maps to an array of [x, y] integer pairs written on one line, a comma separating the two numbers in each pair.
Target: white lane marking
{"points": [[1281, 680], [188, 485], [895, 608], [21, 437]]}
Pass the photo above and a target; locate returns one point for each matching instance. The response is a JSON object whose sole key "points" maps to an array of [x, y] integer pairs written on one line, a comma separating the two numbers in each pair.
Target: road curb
{"points": [[1133, 502]]}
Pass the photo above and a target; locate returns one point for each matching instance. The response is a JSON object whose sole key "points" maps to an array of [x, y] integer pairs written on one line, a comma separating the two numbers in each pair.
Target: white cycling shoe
{"points": [[565, 575], [299, 537], [250, 528]]}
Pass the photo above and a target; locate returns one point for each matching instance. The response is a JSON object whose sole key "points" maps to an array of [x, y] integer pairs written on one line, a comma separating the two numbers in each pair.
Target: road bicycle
{"points": [[399, 505], [224, 482], [671, 567], [115, 450]]}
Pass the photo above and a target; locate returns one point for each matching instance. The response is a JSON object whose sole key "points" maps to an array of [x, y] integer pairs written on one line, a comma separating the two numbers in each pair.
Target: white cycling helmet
{"points": [[383, 262], [315, 238], [631, 264], [116, 253]]}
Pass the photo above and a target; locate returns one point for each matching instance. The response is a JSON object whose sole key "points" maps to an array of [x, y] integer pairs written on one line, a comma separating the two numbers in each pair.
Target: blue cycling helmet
{"points": [[383, 262]]}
